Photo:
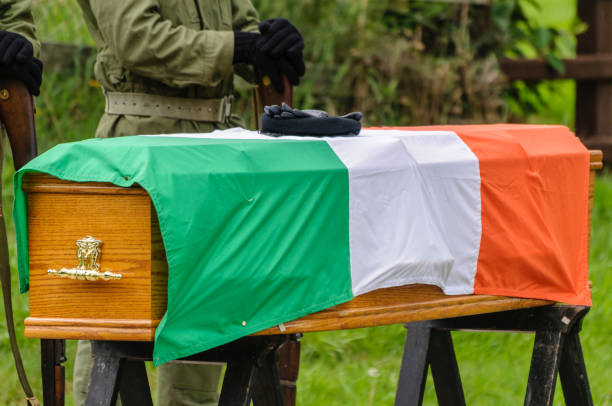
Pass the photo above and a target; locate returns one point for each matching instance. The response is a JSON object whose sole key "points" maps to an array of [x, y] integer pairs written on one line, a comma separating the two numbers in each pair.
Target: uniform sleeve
{"points": [[16, 16], [151, 46], [245, 18]]}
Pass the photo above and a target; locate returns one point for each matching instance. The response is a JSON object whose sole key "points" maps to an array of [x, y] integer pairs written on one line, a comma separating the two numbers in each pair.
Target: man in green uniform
{"points": [[166, 66], [174, 48]]}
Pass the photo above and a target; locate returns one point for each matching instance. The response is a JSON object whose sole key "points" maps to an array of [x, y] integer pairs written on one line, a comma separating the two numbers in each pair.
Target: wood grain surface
{"points": [[400, 304], [129, 309], [123, 219], [17, 116]]}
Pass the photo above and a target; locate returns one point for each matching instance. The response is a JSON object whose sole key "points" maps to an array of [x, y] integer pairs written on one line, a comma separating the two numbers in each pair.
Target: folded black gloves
{"points": [[277, 51], [246, 51], [17, 61], [14, 48], [283, 120]]}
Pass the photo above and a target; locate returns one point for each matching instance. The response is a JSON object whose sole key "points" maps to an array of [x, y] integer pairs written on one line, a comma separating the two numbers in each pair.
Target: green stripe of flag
{"points": [[256, 231]]}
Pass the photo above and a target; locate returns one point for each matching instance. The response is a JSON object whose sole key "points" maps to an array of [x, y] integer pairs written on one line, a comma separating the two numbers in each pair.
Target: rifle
{"points": [[17, 114], [289, 353], [266, 95]]}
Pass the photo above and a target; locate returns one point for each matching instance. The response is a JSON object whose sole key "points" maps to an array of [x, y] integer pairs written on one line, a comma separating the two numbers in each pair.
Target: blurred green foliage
{"points": [[399, 62], [422, 62]]}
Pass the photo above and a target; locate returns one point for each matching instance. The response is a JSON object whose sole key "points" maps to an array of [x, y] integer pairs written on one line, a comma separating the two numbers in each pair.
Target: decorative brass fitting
{"points": [[88, 252]]}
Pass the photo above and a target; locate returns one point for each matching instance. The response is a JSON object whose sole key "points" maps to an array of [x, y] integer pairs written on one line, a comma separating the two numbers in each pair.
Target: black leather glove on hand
{"points": [[14, 48], [29, 72], [280, 38], [246, 51]]}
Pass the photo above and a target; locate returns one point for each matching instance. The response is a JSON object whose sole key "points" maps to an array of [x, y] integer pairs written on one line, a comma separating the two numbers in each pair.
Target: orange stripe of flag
{"points": [[534, 210]]}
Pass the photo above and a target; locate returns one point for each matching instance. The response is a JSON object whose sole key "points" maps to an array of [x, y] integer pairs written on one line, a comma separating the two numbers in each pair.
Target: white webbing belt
{"points": [[142, 104]]}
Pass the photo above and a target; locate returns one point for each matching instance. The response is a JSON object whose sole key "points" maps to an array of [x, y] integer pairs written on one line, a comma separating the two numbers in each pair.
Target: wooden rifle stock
{"points": [[17, 114], [289, 354], [266, 95]]}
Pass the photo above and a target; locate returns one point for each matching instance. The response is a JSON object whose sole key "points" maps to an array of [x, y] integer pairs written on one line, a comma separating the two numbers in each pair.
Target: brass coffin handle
{"points": [[88, 252], [84, 274]]}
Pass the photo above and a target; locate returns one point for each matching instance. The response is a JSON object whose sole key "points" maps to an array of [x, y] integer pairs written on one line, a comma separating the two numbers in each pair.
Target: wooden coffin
{"points": [[61, 212]]}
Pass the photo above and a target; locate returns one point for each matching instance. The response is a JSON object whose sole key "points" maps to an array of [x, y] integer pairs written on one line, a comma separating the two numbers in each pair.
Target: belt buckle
{"points": [[227, 106]]}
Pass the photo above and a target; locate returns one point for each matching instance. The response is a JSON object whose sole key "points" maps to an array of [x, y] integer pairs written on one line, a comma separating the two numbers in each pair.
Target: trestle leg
{"points": [[104, 381], [267, 385], [288, 368], [413, 372], [251, 373], [134, 386], [238, 383], [544, 368], [574, 379], [428, 347], [444, 368], [52, 356]]}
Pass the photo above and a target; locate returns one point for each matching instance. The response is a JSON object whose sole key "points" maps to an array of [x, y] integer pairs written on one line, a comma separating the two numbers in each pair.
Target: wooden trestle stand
{"points": [[556, 350], [121, 344]]}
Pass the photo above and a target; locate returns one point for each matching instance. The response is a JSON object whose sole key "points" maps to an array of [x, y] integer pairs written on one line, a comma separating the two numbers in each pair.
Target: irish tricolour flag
{"points": [[261, 230]]}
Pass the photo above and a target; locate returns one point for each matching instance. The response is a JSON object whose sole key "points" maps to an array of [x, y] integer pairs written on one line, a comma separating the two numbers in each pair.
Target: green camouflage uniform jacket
{"points": [[178, 48]]}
